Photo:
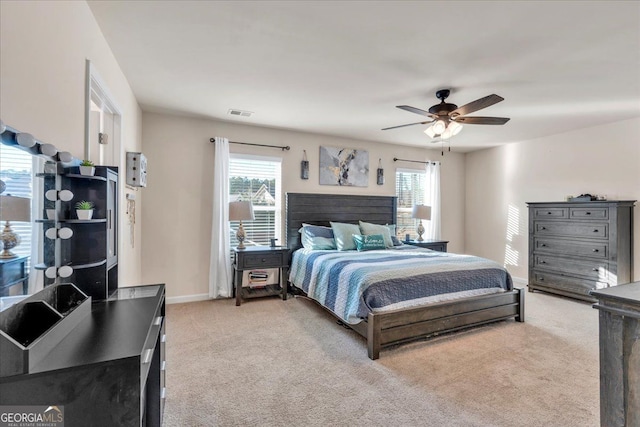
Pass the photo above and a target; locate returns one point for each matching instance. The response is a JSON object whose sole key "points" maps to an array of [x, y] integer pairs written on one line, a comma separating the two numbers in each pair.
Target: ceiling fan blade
{"points": [[482, 120], [416, 110], [476, 105], [410, 124]]}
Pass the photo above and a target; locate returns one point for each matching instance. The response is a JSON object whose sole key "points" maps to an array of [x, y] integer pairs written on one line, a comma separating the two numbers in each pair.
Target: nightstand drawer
{"points": [[12, 272], [262, 260]]}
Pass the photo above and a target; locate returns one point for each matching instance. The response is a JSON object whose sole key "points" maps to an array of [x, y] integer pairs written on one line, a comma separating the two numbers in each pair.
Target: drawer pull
{"points": [[543, 228], [158, 320], [548, 213], [596, 250], [541, 279], [595, 269], [147, 356], [264, 260], [543, 262], [587, 213], [543, 245], [596, 230]]}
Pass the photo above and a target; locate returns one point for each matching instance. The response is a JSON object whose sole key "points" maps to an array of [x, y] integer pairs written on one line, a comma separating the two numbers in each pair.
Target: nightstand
{"points": [[13, 271], [260, 258], [436, 245]]}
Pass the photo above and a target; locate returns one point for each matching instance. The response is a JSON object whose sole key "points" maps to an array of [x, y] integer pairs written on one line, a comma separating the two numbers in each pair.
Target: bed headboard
{"points": [[320, 209]]}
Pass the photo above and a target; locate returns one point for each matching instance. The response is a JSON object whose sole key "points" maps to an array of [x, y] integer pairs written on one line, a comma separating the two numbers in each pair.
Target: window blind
{"points": [[410, 190], [16, 172], [256, 179]]}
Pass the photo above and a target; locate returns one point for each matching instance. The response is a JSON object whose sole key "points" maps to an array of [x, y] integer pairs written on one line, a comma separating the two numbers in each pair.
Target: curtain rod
{"points": [[256, 145], [395, 159]]}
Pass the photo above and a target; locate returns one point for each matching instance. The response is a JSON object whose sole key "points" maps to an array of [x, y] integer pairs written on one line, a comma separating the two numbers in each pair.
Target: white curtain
{"points": [[432, 198], [220, 266]]}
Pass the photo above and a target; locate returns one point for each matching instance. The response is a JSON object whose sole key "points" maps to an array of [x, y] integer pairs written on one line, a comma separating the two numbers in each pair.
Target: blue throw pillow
{"points": [[343, 233], [370, 242], [317, 237]]}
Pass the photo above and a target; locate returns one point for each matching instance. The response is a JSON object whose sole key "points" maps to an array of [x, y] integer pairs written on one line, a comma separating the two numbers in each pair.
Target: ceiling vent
{"points": [[241, 113]]}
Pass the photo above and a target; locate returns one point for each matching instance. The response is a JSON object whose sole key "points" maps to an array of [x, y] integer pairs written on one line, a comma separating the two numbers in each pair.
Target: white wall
{"points": [[177, 201], [43, 47], [602, 160]]}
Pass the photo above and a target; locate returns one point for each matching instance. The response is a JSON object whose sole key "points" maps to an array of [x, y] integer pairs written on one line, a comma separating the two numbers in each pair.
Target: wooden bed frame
{"points": [[398, 326]]}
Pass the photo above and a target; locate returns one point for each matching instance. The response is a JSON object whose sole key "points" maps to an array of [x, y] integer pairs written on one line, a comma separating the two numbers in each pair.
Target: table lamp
{"points": [[421, 212], [12, 209], [239, 211]]}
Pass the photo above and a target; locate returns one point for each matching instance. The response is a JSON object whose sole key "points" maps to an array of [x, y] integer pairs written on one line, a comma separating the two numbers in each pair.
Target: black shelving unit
{"points": [[92, 250]]}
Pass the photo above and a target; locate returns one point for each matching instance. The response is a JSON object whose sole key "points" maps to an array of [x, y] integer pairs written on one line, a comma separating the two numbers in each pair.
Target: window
{"points": [[410, 189], [257, 179], [16, 172]]}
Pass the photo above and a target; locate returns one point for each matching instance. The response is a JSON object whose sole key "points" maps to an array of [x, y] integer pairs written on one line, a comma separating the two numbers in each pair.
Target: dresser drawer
{"points": [[567, 247], [566, 283], [598, 270], [558, 213], [589, 213], [598, 230], [262, 260]]}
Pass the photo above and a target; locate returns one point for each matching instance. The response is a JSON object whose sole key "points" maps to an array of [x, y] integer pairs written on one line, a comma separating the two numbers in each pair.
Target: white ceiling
{"points": [[340, 68]]}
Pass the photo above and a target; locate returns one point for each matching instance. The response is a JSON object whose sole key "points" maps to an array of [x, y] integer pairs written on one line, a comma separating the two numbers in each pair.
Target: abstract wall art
{"points": [[344, 166]]}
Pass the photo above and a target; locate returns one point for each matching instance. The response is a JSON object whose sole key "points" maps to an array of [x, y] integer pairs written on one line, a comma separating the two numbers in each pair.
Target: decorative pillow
{"points": [[368, 229], [343, 233], [394, 238], [317, 237], [369, 242]]}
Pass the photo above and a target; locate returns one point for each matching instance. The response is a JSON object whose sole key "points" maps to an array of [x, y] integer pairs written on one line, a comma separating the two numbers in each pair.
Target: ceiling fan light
{"points": [[439, 127], [447, 133], [455, 128], [430, 132]]}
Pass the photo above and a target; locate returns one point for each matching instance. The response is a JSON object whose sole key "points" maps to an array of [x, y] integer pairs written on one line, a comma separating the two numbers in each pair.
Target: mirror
{"points": [[28, 169]]}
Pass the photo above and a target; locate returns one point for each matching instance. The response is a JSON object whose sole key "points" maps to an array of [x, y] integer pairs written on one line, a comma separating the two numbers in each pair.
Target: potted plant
{"points": [[87, 168], [84, 209]]}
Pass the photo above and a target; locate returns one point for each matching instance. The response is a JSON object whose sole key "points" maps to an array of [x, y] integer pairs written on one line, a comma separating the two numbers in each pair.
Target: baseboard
{"points": [[187, 298], [519, 281]]}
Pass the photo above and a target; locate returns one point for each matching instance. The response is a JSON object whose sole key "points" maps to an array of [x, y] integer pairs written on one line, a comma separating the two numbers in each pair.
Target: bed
{"points": [[400, 322]]}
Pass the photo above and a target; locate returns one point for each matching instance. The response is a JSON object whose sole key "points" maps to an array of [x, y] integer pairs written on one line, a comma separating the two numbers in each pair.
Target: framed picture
{"points": [[344, 166]]}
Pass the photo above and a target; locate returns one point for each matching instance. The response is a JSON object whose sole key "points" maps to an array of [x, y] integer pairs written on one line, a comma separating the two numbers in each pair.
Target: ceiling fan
{"points": [[447, 118]]}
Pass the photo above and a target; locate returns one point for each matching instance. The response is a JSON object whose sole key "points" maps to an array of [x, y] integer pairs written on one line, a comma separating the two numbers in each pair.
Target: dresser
{"points": [[575, 247], [109, 368]]}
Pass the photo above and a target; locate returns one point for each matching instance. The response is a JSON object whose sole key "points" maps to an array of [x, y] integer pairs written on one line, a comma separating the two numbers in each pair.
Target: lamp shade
{"points": [[421, 212], [240, 211], [14, 208]]}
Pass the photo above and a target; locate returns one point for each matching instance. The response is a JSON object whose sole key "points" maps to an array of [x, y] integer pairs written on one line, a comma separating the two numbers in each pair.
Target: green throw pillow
{"points": [[343, 234], [368, 229], [370, 242]]}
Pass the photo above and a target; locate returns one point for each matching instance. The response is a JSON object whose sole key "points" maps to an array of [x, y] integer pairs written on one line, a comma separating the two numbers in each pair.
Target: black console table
{"points": [[108, 370], [619, 355]]}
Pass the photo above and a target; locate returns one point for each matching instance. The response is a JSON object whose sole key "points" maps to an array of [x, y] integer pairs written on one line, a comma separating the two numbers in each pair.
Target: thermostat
{"points": [[136, 169]]}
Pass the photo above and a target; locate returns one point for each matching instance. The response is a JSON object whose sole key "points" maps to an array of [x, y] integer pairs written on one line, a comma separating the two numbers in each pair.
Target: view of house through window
{"points": [[410, 189], [16, 172], [256, 179]]}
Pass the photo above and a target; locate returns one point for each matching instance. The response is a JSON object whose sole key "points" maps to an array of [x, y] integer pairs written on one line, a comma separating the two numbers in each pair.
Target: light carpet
{"points": [[288, 363]]}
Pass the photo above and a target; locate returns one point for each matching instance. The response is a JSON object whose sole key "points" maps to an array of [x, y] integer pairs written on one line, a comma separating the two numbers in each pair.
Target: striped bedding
{"points": [[351, 283]]}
